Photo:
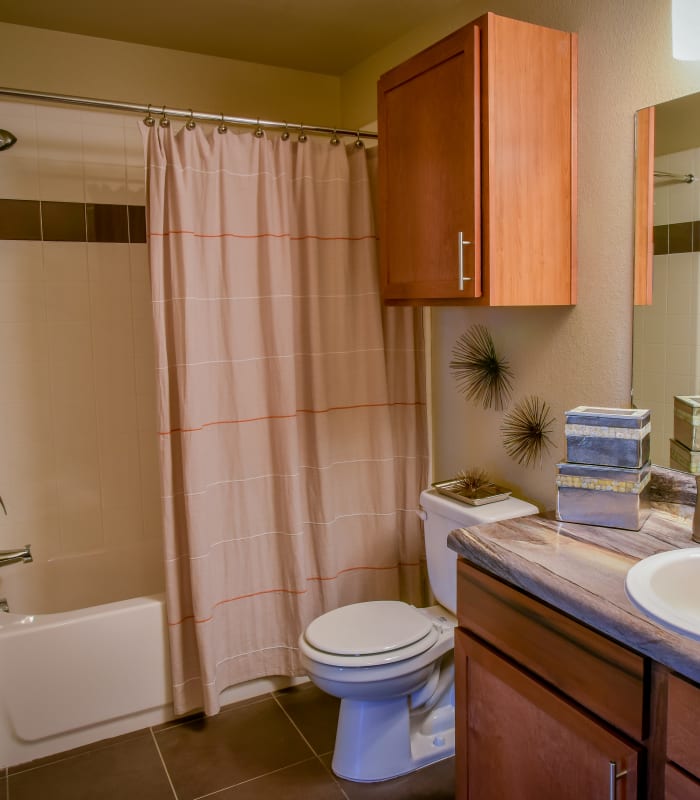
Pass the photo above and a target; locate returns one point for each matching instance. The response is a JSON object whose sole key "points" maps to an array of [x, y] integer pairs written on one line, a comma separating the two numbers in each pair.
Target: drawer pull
{"points": [[613, 777], [462, 244]]}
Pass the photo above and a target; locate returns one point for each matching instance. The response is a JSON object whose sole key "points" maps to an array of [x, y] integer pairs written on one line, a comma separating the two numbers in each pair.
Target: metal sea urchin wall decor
{"points": [[526, 430], [479, 371]]}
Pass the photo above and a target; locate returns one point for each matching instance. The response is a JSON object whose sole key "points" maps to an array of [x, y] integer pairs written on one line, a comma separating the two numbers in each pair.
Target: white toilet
{"points": [[392, 663]]}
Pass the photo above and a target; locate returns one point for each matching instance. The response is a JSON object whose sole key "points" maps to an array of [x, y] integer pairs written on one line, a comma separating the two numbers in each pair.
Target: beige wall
{"points": [[567, 356], [64, 63]]}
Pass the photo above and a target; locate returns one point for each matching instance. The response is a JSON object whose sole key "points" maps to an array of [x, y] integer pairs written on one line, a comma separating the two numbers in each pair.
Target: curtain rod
{"points": [[187, 114], [676, 176]]}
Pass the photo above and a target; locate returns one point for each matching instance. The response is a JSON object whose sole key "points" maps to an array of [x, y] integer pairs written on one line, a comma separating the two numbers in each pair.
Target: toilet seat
{"points": [[368, 634]]}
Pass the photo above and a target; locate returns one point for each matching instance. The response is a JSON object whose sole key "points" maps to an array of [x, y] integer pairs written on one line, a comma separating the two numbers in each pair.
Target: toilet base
{"points": [[382, 739]]}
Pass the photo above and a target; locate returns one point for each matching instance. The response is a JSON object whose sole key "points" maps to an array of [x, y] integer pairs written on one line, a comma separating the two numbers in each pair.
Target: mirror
{"points": [[666, 344]]}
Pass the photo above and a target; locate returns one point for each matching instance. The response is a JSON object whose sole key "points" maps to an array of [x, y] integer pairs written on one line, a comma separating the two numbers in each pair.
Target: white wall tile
{"points": [[105, 183], [21, 261], [61, 181], [19, 179], [79, 459], [65, 262], [22, 301]]}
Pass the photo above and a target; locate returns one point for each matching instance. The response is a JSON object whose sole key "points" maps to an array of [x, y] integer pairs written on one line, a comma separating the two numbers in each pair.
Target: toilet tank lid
{"points": [[464, 515]]}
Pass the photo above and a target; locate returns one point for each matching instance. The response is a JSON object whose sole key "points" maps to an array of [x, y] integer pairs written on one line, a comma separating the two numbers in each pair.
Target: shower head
{"points": [[7, 139]]}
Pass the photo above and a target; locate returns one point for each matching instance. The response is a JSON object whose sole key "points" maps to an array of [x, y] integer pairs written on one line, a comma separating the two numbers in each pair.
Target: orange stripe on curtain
{"points": [[285, 591], [320, 508], [285, 416], [289, 236]]}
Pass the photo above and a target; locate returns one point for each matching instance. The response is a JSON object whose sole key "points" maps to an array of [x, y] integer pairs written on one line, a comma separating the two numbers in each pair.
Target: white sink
{"points": [[666, 587]]}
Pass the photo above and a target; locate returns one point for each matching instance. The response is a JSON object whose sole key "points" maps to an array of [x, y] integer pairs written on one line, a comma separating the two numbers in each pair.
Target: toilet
{"points": [[392, 664]]}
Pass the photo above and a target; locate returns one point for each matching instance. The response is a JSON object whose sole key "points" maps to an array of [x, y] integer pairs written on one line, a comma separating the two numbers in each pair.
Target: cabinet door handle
{"points": [[613, 777], [462, 244]]}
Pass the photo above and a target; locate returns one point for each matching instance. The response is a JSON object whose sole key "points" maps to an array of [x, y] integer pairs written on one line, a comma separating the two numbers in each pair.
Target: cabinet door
{"points": [[429, 173], [517, 738], [680, 786], [683, 732]]}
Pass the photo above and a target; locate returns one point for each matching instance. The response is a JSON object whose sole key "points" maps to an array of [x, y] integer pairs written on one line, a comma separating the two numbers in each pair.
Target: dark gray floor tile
{"points": [[130, 768], [245, 742], [435, 782], [314, 712], [306, 781], [77, 751]]}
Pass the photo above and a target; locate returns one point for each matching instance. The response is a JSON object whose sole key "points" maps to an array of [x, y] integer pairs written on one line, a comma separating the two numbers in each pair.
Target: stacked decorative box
{"points": [[685, 445], [605, 479]]}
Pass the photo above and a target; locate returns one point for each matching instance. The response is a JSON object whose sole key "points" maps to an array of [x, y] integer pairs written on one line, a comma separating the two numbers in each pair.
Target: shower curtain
{"points": [[291, 405]]}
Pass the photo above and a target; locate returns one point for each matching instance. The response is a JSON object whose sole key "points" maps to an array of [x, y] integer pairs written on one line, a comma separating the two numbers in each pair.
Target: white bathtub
{"points": [[75, 677], [69, 678]]}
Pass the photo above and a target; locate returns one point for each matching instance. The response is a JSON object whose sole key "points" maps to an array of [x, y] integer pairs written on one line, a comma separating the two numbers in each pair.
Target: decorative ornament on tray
{"points": [[473, 487]]}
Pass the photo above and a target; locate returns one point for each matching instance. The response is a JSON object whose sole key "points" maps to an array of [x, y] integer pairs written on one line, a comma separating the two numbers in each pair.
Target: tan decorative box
{"points": [[686, 421], [684, 459], [608, 437], [608, 496]]}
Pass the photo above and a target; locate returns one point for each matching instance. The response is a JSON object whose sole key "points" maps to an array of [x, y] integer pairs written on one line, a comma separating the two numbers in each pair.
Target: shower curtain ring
{"points": [[358, 142], [302, 136], [164, 121], [259, 132], [285, 133], [222, 127], [148, 119], [334, 139], [191, 124]]}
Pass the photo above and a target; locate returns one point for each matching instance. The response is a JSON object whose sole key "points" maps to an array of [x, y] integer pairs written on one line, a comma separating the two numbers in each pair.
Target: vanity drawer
{"points": [[592, 670], [683, 729]]}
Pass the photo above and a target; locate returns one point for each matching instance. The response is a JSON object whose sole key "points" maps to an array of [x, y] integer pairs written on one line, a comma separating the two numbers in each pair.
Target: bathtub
{"points": [[72, 677]]}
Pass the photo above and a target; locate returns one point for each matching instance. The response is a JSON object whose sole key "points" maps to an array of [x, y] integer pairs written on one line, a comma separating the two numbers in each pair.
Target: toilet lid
{"points": [[380, 626]]}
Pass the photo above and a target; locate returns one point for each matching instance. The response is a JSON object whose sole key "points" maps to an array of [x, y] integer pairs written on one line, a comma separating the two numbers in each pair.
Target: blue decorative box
{"points": [[608, 496], [608, 437]]}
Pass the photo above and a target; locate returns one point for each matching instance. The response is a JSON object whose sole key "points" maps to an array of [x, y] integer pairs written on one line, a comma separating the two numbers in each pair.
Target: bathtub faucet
{"points": [[15, 556]]}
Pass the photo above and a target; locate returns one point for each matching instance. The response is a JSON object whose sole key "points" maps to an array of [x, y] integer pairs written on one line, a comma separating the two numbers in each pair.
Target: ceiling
{"points": [[326, 36]]}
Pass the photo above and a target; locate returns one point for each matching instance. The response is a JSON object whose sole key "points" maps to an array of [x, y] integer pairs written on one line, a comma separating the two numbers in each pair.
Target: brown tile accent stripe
{"points": [[63, 222], [42, 220], [106, 223], [678, 237], [20, 219]]}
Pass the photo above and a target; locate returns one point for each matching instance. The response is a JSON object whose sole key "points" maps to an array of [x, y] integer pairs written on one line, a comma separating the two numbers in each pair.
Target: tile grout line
{"points": [[294, 725], [308, 744], [162, 761], [250, 780]]}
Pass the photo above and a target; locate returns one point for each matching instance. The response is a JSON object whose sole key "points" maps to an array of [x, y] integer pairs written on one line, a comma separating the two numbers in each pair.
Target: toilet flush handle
{"points": [[421, 514]]}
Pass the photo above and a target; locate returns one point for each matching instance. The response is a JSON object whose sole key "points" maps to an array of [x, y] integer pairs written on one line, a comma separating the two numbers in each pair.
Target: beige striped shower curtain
{"points": [[291, 405]]}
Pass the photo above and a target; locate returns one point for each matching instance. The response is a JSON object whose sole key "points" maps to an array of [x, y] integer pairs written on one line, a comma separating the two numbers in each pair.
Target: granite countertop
{"points": [[581, 570]]}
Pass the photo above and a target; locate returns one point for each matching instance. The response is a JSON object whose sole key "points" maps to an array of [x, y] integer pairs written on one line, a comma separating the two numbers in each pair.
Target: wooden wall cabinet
{"points": [[477, 169], [644, 206]]}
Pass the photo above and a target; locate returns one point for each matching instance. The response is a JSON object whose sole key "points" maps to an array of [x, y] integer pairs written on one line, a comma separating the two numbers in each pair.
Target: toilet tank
{"points": [[441, 515]]}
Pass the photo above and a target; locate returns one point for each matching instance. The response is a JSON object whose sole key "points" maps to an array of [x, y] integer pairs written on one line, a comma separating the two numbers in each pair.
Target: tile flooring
{"points": [[276, 746]]}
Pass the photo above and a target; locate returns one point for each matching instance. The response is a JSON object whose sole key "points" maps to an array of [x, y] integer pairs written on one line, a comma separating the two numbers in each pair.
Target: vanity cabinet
{"points": [[546, 707], [682, 773], [527, 741], [477, 169]]}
